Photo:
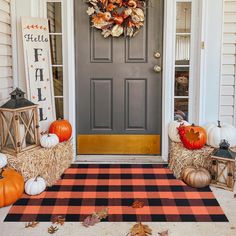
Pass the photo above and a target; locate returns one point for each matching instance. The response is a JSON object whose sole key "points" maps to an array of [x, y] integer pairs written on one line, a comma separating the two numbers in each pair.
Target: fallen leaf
{"points": [[31, 224], [164, 233], [52, 229], [138, 204], [102, 214], [140, 230], [91, 220], [59, 220]]}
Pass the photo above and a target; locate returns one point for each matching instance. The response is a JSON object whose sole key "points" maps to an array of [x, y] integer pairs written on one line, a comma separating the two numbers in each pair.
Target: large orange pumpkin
{"points": [[62, 128], [11, 187], [192, 137]]}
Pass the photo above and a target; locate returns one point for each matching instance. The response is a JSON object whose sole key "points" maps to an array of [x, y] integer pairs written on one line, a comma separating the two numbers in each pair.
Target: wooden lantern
{"points": [[19, 124], [223, 167]]}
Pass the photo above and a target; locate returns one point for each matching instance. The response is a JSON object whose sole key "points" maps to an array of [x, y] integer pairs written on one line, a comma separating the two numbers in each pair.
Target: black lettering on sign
{"points": [[39, 74], [40, 98], [41, 114], [37, 54]]}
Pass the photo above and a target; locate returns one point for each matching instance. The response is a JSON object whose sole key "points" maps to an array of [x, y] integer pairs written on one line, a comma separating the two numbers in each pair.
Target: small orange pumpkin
{"points": [[196, 177], [62, 128], [11, 187]]}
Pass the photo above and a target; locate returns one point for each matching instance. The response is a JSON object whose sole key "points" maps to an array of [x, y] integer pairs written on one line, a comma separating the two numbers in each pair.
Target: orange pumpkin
{"points": [[62, 128], [192, 137], [11, 187]]}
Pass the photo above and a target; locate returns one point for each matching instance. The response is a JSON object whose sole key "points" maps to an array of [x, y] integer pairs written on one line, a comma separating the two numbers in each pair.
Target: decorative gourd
{"points": [[196, 177], [193, 137], [173, 129], [62, 128], [216, 133], [35, 186], [11, 186], [49, 140], [3, 160]]}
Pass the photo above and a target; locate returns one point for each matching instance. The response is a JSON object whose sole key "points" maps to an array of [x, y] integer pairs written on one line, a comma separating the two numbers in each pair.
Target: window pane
{"points": [[181, 108], [58, 80], [183, 21], [54, 16], [59, 108], [56, 49], [182, 81], [182, 54]]}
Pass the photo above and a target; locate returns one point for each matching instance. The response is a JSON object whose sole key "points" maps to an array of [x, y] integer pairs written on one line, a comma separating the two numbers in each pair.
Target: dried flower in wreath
{"points": [[117, 17], [52, 229], [31, 224]]}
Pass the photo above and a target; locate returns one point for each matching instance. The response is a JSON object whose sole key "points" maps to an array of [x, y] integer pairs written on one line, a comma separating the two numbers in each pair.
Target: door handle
{"points": [[157, 69], [157, 55]]}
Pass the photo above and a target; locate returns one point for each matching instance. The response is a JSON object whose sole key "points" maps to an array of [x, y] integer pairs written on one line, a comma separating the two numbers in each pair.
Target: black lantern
{"points": [[223, 167], [19, 124]]}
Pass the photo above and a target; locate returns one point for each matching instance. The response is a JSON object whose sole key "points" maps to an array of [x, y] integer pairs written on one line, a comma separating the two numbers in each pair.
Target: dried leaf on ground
{"points": [[138, 204], [31, 224], [102, 214], [140, 230], [59, 220], [52, 229], [164, 233], [91, 220]]}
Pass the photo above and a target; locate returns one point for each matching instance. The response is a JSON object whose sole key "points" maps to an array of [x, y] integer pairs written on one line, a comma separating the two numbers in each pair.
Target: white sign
{"points": [[39, 80]]}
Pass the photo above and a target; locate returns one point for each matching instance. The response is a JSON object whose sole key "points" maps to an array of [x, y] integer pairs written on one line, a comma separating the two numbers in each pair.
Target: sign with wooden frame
{"points": [[39, 78], [223, 172]]}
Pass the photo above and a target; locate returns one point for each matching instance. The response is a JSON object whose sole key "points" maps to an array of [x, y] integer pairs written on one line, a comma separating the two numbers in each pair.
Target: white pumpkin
{"points": [[35, 186], [173, 129], [3, 160], [216, 133], [49, 140]]}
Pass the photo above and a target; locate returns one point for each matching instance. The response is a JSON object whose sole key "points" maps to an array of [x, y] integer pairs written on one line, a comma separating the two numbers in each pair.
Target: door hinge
{"points": [[202, 45]]}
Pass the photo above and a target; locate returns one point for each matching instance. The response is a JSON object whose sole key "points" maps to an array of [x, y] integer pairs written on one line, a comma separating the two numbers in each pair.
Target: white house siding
{"points": [[6, 80], [228, 80]]}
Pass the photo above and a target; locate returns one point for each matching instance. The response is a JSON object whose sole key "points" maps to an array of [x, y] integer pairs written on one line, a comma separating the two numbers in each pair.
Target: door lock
{"points": [[157, 55], [157, 69]]}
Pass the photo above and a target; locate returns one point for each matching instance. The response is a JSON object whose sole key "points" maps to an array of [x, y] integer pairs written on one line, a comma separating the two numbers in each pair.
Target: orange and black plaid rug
{"points": [[85, 189]]}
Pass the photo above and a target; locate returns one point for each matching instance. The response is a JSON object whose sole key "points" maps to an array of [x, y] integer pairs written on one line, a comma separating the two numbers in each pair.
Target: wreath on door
{"points": [[117, 17]]}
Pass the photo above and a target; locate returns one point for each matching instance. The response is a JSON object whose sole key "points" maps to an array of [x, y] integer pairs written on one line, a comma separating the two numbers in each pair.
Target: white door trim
{"points": [[208, 62]]}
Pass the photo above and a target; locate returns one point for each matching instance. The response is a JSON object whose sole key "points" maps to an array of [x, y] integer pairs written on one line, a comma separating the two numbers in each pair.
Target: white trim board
{"points": [[207, 87]]}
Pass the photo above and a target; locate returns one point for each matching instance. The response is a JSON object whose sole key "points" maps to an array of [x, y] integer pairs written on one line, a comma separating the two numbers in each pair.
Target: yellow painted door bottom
{"points": [[101, 144]]}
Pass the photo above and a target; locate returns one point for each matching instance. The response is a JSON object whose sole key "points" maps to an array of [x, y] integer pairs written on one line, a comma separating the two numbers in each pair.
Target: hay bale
{"points": [[180, 158], [47, 163]]}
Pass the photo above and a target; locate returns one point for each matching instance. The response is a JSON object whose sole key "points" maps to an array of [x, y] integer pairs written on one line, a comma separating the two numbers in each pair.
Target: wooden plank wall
{"points": [[6, 79], [228, 80]]}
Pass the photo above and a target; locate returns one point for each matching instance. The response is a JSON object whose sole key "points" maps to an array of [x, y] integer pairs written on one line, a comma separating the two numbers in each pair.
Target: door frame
{"points": [[208, 61], [167, 73]]}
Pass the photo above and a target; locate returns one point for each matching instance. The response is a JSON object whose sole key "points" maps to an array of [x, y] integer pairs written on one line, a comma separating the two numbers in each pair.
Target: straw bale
{"points": [[47, 163]]}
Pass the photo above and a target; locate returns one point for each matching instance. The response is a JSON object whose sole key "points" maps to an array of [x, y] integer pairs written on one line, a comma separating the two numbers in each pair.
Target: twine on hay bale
{"points": [[180, 158], [47, 163]]}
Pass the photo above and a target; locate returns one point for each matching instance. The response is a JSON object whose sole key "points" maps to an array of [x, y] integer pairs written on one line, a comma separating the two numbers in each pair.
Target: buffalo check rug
{"points": [[86, 188]]}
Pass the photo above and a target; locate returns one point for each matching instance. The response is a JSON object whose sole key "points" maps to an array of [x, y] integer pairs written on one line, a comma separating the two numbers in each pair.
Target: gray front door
{"points": [[118, 92]]}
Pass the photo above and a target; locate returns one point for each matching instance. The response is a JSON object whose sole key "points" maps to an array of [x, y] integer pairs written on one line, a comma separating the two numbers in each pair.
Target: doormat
{"points": [[87, 188]]}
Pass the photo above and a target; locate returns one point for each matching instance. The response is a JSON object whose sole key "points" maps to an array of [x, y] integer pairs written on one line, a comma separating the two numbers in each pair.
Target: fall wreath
{"points": [[117, 17]]}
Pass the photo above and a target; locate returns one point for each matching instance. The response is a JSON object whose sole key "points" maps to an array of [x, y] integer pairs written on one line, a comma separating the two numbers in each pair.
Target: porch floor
{"points": [[225, 198]]}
